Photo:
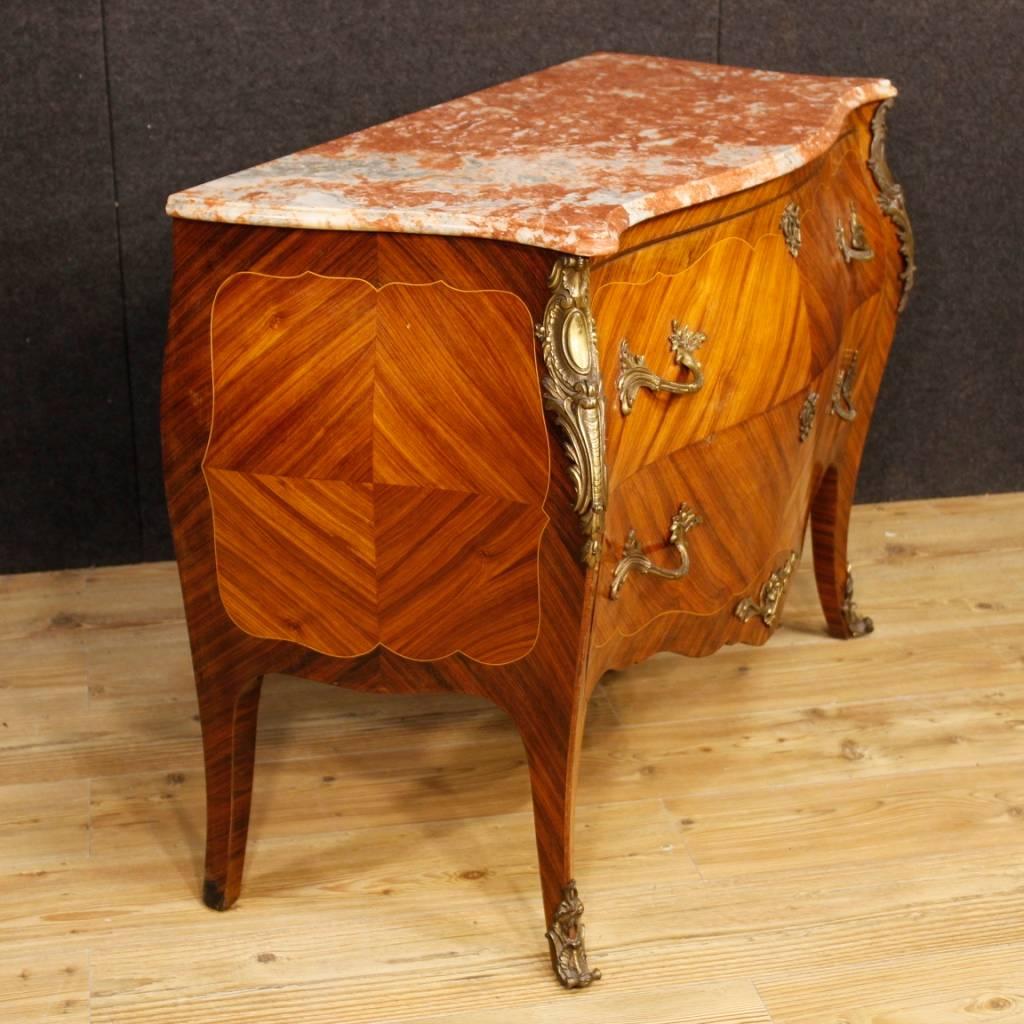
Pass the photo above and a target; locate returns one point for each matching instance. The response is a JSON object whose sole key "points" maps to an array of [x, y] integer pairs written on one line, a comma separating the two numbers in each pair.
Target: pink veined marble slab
{"points": [[566, 158]]}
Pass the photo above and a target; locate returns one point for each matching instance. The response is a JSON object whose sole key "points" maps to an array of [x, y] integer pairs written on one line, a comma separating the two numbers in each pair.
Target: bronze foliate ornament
{"points": [[891, 200], [772, 593], [634, 560], [634, 373], [568, 946], [807, 413], [790, 226]]}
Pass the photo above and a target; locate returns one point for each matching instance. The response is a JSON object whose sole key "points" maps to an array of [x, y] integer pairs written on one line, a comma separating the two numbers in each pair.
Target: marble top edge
{"points": [[566, 158]]}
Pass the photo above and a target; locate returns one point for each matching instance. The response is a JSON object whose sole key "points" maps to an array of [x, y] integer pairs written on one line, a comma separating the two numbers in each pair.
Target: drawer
{"points": [[763, 334], [846, 202], [750, 485]]}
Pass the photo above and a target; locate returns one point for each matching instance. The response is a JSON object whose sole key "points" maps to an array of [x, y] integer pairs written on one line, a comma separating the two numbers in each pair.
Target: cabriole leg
{"points": [[227, 713], [552, 753]]}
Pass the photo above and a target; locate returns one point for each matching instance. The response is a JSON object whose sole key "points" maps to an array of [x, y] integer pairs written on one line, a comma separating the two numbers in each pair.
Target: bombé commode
{"points": [[528, 386]]}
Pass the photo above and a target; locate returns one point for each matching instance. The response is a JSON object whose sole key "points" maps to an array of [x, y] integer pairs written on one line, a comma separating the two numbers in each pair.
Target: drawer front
{"points": [[694, 344], [750, 487], [846, 249], [753, 336]]}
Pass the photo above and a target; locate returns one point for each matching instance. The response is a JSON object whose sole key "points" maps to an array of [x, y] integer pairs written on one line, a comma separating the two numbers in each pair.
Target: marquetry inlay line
{"points": [[343, 483]]}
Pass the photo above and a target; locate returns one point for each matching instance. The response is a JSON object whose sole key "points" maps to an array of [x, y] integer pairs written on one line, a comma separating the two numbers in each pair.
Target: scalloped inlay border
{"points": [[358, 500]]}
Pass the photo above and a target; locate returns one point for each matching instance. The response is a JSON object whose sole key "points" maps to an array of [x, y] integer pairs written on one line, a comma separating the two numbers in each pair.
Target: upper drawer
{"points": [[712, 325], [846, 242], [742, 322]]}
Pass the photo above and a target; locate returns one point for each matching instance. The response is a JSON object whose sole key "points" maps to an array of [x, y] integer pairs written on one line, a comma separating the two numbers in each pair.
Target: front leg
{"points": [[552, 737]]}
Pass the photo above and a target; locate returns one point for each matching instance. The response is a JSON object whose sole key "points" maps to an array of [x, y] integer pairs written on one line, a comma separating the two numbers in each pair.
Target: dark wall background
{"points": [[110, 105]]}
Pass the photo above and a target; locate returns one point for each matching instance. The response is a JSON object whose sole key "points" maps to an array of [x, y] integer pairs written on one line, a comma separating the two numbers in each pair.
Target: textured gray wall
{"points": [[112, 104]]}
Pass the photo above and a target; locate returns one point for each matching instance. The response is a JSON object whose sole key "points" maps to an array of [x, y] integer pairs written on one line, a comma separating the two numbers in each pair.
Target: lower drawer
{"points": [[744, 495]]}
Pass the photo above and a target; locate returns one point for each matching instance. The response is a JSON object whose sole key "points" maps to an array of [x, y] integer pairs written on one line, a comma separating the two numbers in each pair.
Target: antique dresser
{"points": [[521, 388]]}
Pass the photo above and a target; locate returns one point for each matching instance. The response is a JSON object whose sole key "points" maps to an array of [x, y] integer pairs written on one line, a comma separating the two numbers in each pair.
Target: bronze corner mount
{"points": [[574, 393], [892, 200]]}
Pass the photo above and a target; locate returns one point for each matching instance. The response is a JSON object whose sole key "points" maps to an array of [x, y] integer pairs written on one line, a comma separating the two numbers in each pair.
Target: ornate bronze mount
{"points": [[807, 413], [842, 392], [858, 625], [857, 248], [772, 594], [573, 392], [634, 560], [635, 374], [790, 225], [891, 200], [568, 948]]}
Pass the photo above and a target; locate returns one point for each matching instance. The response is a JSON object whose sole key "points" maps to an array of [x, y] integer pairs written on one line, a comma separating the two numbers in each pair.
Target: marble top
{"points": [[566, 158]]}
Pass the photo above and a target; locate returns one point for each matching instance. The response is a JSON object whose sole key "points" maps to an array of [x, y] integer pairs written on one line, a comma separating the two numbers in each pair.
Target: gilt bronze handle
{"points": [[635, 374], [858, 248], [634, 560]]}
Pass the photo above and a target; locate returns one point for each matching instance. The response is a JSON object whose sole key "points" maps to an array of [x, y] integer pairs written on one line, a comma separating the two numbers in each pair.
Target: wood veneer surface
{"points": [[355, 494]]}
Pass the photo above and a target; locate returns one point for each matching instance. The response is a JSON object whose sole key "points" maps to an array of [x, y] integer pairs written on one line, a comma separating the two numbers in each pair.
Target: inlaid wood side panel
{"points": [[543, 691], [377, 476], [767, 336]]}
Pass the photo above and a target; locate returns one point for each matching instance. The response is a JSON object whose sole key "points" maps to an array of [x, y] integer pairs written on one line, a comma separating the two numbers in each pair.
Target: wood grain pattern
{"points": [[766, 340], [540, 690], [834, 828], [785, 327], [410, 516], [356, 501]]}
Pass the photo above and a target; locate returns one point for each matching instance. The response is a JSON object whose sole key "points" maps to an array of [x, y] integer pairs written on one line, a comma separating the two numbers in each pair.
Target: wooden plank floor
{"points": [[810, 833]]}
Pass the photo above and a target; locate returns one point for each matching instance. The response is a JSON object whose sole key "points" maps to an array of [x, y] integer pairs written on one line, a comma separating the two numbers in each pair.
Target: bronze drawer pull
{"points": [[634, 560], [858, 248], [634, 373]]}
